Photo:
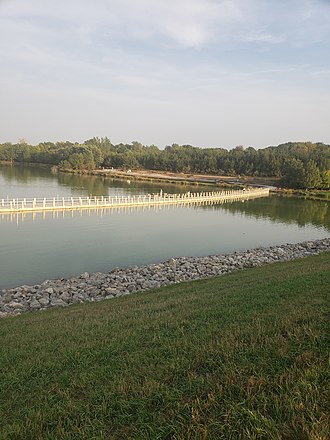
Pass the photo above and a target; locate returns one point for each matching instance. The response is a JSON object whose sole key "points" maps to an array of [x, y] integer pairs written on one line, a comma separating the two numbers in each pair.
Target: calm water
{"points": [[35, 248]]}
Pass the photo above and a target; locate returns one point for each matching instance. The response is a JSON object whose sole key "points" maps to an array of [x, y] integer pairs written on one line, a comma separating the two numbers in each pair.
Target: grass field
{"points": [[243, 356]]}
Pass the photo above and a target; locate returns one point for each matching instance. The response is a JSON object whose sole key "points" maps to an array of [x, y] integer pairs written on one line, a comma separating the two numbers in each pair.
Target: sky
{"points": [[209, 73]]}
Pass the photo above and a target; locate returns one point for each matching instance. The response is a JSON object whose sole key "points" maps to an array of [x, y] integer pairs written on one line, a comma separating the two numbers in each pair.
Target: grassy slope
{"points": [[238, 357]]}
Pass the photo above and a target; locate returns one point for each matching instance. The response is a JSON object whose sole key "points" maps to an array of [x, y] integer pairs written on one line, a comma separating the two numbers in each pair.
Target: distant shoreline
{"points": [[159, 175], [211, 180], [180, 178]]}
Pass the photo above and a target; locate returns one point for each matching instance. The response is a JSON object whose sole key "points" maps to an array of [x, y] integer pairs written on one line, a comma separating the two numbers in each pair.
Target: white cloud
{"points": [[193, 23]]}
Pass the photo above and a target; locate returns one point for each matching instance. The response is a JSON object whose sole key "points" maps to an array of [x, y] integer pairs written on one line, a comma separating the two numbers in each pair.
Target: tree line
{"points": [[297, 164]]}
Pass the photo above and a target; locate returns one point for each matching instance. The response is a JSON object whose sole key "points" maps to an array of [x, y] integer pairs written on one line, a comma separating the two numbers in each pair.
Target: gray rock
{"points": [[16, 305], [172, 263], [65, 296], [34, 304], [44, 301], [110, 290]]}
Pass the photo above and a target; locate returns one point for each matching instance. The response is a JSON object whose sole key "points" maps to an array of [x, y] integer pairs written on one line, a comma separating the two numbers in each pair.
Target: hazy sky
{"points": [[201, 72]]}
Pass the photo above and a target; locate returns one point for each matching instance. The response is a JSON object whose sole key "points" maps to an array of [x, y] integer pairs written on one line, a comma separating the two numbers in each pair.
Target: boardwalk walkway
{"points": [[78, 203]]}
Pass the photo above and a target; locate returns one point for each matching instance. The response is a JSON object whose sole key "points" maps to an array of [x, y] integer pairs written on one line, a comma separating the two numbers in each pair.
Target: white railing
{"points": [[71, 203]]}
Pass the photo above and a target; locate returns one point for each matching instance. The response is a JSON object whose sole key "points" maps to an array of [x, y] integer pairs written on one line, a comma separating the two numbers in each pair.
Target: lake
{"points": [[57, 245]]}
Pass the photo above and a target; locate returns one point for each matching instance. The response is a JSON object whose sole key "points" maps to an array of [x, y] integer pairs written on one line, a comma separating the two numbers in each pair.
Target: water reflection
{"points": [[24, 174], [36, 177], [279, 209]]}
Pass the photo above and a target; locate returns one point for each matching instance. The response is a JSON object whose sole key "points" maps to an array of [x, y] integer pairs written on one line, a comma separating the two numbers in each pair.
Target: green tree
{"points": [[76, 161], [294, 174], [312, 178], [325, 179]]}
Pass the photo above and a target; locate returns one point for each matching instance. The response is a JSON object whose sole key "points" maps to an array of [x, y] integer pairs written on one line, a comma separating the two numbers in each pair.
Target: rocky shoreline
{"points": [[119, 282]]}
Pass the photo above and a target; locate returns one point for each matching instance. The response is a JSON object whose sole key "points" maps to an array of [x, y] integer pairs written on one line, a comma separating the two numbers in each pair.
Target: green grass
{"points": [[243, 356]]}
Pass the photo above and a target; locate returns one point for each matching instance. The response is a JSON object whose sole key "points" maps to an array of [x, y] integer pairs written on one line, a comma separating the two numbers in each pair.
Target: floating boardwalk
{"points": [[10, 206]]}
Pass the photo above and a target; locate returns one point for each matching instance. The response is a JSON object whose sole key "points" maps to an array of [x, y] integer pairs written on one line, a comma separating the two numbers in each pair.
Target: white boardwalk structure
{"points": [[16, 205]]}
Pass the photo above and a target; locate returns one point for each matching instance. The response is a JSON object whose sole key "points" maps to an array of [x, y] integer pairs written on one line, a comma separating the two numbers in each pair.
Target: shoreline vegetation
{"points": [[243, 356], [295, 165], [207, 180]]}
